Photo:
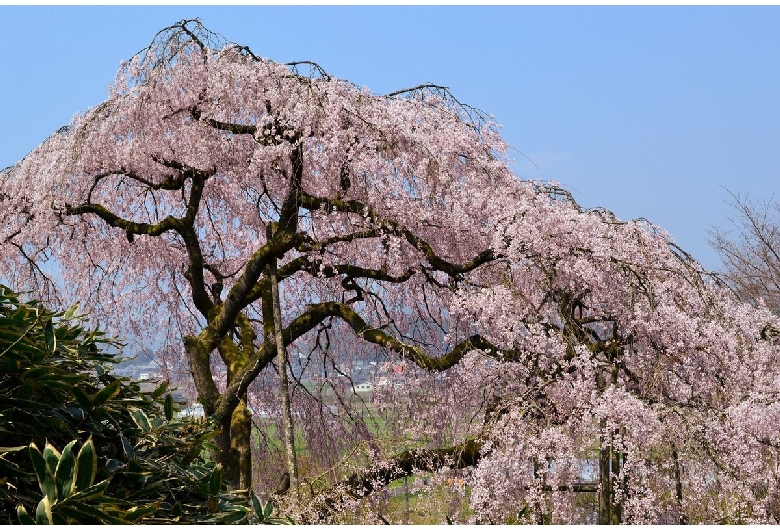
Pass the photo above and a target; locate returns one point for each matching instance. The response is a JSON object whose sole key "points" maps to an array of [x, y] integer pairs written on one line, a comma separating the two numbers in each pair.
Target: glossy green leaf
{"points": [[101, 515], [36, 372], [258, 507], [86, 466], [84, 399], [24, 517], [112, 464], [23, 404], [233, 517], [168, 407], [70, 312], [52, 458], [43, 512], [45, 480], [60, 380], [106, 394], [91, 492], [4, 450], [140, 419], [127, 447], [215, 480], [76, 517], [160, 390], [77, 413], [137, 513], [49, 337], [64, 472]]}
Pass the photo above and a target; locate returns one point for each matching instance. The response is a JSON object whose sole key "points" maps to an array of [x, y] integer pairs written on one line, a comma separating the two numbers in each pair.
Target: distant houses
{"points": [[360, 377], [195, 411], [139, 371]]}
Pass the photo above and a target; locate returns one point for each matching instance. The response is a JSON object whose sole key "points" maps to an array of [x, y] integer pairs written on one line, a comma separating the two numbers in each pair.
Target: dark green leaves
{"points": [[256, 505], [86, 466], [43, 512], [127, 447], [49, 337], [45, 479], [215, 481], [69, 495], [23, 516], [141, 419], [168, 407], [70, 312], [64, 471], [125, 457], [106, 393], [82, 397], [160, 390], [89, 401], [137, 513], [261, 514]]}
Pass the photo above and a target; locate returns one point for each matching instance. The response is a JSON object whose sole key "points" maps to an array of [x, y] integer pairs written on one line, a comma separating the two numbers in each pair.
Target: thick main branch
{"points": [[391, 227]]}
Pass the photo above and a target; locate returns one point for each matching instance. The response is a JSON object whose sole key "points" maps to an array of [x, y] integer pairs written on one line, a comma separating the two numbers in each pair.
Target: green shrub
{"points": [[110, 452]]}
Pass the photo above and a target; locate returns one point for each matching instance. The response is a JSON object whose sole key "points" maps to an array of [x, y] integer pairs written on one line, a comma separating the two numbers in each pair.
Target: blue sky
{"points": [[648, 111]]}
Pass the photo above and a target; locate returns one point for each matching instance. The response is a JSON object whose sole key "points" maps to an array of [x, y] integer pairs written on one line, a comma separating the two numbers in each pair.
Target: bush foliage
{"points": [[80, 445]]}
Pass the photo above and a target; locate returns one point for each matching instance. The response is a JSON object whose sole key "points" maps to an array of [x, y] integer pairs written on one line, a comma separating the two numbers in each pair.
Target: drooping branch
{"points": [[264, 138], [284, 239], [388, 226], [309, 245], [317, 313], [404, 464], [288, 216], [407, 351], [184, 226], [305, 263], [234, 128], [263, 286], [354, 271], [363, 483], [166, 225]]}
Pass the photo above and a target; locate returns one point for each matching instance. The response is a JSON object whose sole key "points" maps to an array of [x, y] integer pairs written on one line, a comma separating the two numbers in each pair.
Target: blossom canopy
{"points": [[397, 227]]}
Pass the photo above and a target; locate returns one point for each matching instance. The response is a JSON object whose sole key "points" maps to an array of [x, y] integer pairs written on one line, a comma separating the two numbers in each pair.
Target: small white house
{"points": [[196, 411], [362, 387]]}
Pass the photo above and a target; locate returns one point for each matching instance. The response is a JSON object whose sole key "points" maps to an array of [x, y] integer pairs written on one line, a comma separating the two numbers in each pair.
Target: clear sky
{"points": [[648, 111]]}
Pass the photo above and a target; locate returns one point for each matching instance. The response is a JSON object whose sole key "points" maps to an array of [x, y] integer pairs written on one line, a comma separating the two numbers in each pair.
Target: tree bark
{"points": [[605, 485], [240, 446], [678, 485], [209, 396], [610, 512], [284, 386], [610, 462]]}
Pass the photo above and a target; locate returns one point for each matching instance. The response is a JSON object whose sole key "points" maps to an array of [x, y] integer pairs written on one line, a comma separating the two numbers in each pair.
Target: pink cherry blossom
{"points": [[549, 337]]}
